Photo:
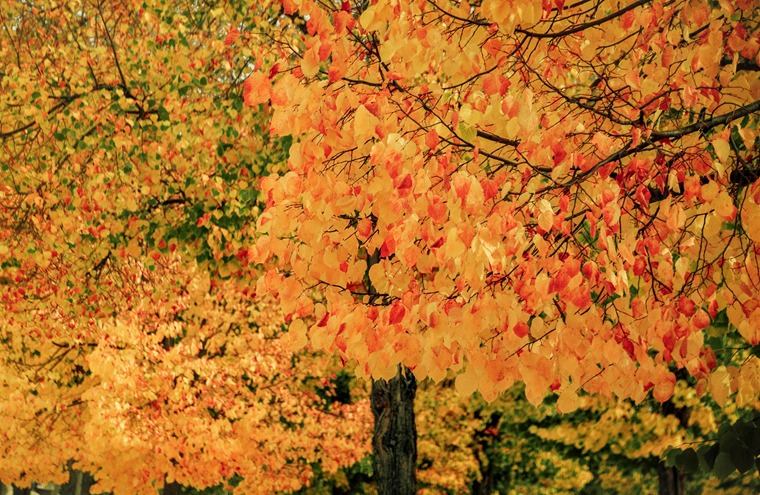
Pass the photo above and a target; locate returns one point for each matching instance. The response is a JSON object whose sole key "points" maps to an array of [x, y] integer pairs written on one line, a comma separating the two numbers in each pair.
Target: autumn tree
{"points": [[132, 342], [626, 442], [560, 194], [467, 445]]}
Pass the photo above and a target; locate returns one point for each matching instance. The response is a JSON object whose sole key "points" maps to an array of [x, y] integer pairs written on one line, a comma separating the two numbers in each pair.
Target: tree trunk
{"points": [[484, 486], [394, 444], [78, 482], [172, 488], [485, 439], [672, 480]]}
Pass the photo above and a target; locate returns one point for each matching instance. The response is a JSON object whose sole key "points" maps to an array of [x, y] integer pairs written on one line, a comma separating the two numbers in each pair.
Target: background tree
{"points": [[467, 445], [563, 195], [131, 340], [559, 194]]}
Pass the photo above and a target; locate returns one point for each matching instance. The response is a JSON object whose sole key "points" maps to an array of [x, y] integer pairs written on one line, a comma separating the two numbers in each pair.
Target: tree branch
{"points": [[498, 139], [708, 124], [582, 27]]}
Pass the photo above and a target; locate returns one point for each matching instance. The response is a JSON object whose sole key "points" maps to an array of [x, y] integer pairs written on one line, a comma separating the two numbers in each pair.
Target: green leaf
{"points": [[689, 461], [723, 466], [720, 320], [707, 455], [755, 351], [729, 441], [467, 132], [221, 148], [754, 441], [163, 114], [742, 459]]}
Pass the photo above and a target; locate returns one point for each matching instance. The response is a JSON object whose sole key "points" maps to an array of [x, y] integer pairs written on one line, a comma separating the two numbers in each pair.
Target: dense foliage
{"points": [[197, 197], [132, 342]]}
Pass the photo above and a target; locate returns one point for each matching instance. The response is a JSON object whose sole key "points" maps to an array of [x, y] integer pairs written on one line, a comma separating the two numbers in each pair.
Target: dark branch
{"points": [[498, 139], [707, 124], [582, 27]]}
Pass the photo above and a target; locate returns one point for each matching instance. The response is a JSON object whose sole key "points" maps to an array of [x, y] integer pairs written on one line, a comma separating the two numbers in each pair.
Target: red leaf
{"points": [[643, 196], [701, 319], [628, 347], [490, 189], [397, 313], [559, 281], [686, 306], [372, 313], [323, 321], [233, 35], [581, 297], [521, 329], [406, 183], [388, 247]]}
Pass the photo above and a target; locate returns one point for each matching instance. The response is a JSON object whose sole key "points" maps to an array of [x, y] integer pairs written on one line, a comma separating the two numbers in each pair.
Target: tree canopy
{"points": [[560, 194], [131, 340], [196, 195]]}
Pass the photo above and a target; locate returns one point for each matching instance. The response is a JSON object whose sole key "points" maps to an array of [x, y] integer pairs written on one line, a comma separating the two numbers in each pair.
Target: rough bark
{"points": [[394, 443]]}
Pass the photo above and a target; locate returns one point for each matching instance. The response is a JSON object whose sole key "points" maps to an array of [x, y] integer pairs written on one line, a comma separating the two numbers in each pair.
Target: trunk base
{"points": [[394, 443]]}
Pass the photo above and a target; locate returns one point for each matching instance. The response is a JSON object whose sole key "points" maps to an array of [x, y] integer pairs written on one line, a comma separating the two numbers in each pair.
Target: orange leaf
{"points": [[431, 139], [256, 89], [232, 35]]}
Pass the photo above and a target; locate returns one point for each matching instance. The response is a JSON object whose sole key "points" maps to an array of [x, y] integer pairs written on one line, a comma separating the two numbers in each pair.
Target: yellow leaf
{"points": [[724, 206], [719, 385], [297, 335], [751, 219], [500, 12], [722, 148], [364, 124], [467, 382], [568, 401], [367, 17], [310, 62], [748, 382], [378, 278], [750, 328]]}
